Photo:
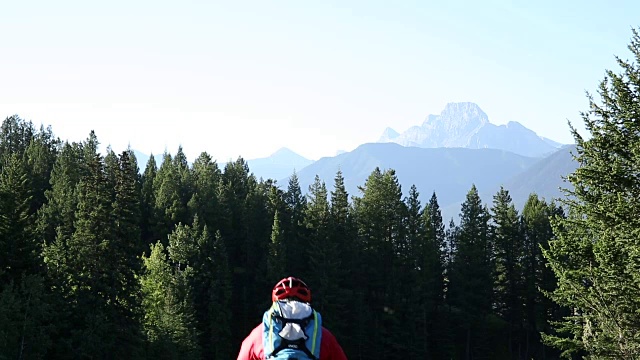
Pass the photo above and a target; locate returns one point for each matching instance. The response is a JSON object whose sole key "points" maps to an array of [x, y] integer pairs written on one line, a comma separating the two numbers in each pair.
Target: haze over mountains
{"points": [[447, 154]]}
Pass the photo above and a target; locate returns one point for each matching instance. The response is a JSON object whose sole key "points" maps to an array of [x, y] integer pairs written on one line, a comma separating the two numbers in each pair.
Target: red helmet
{"points": [[291, 287]]}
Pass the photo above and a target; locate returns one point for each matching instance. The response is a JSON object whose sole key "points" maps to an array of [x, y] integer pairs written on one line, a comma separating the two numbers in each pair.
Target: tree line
{"points": [[101, 260]]}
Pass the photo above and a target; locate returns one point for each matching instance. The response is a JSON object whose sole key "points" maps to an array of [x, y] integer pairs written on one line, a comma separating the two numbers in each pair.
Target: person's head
{"points": [[291, 288]]}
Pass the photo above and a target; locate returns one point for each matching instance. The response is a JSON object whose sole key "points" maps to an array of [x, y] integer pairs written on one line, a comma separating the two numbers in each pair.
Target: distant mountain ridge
{"points": [[449, 172], [465, 125]]}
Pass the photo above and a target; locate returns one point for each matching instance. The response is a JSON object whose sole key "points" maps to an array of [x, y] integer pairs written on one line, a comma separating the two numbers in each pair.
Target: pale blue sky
{"points": [[244, 78]]}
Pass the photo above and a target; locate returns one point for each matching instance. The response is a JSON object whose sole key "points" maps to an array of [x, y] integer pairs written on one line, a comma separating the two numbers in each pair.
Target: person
{"points": [[289, 329]]}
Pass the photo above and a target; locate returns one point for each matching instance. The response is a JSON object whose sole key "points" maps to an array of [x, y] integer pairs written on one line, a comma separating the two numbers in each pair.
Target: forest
{"points": [[105, 258], [178, 260]]}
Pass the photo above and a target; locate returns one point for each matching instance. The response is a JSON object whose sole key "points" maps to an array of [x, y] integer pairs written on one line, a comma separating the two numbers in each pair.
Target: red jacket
{"points": [[251, 348]]}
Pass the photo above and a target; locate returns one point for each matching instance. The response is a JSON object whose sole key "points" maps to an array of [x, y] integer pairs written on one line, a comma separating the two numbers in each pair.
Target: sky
{"points": [[245, 78]]}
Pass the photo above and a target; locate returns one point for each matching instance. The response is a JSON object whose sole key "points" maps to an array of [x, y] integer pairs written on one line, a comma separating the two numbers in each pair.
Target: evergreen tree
{"points": [[19, 251], [169, 314], [324, 254], [40, 155], [595, 255], [245, 226], [171, 189], [15, 136], [342, 233], [127, 242], [471, 281], [276, 261], [56, 218], [432, 264], [24, 309], [508, 253], [540, 311], [416, 273], [149, 213], [212, 295], [296, 241], [205, 180], [379, 215]]}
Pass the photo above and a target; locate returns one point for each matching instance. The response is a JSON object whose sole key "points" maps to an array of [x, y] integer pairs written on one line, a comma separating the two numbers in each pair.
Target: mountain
{"points": [[545, 177], [465, 125], [449, 172], [388, 135], [278, 165]]}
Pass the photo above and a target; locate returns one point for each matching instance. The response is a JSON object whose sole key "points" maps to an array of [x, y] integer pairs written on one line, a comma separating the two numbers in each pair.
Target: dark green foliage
{"points": [[18, 247], [25, 319], [540, 311], [276, 260], [150, 216], [324, 253], [595, 255], [169, 314], [379, 217], [205, 181], [390, 280], [212, 296], [295, 235], [431, 260], [508, 258], [471, 281]]}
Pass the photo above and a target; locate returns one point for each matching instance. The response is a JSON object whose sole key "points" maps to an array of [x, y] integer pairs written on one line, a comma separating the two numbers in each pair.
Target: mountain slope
{"points": [[545, 177], [278, 165]]}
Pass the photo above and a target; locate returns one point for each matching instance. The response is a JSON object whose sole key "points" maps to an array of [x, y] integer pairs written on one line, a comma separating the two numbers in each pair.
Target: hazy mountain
{"points": [[449, 172], [278, 165], [388, 135], [465, 125], [555, 144], [545, 177]]}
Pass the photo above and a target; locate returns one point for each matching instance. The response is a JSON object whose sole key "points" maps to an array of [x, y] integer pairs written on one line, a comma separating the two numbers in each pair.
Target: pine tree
{"points": [[595, 255], [508, 253], [245, 226], [212, 295], [127, 244], [342, 233], [416, 273], [296, 241], [379, 215], [324, 254], [172, 193], [205, 179], [149, 214], [18, 247], [433, 260], [15, 135], [24, 309], [40, 155], [169, 315], [89, 275], [276, 261], [471, 281], [540, 311], [56, 218]]}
